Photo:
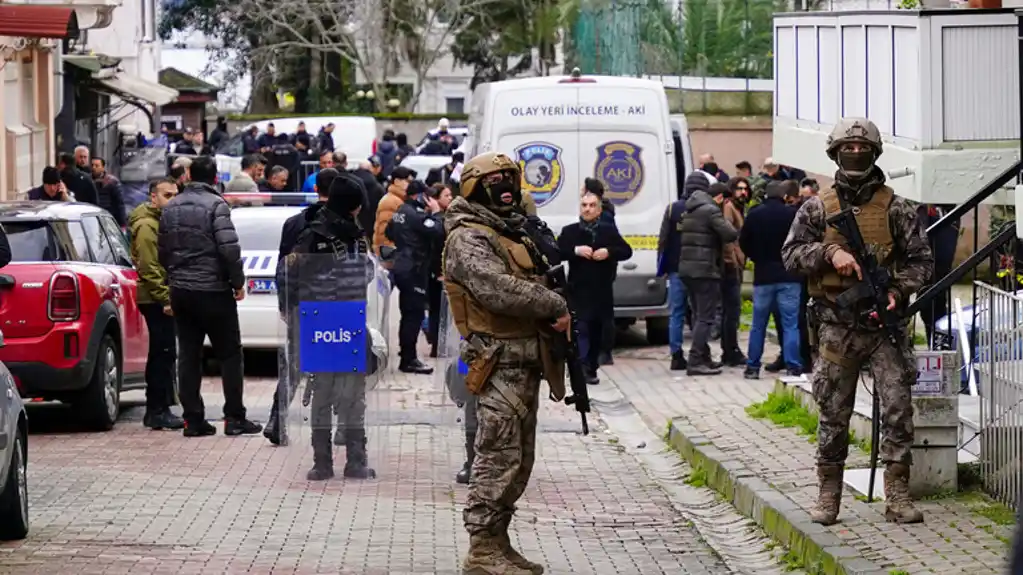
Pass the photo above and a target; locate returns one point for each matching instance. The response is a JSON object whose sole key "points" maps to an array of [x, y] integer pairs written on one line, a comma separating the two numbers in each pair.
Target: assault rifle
{"points": [[874, 287], [580, 396]]}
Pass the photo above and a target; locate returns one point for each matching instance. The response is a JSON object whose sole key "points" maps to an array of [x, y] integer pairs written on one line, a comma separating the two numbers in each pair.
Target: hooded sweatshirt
{"points": [[144, 223]]}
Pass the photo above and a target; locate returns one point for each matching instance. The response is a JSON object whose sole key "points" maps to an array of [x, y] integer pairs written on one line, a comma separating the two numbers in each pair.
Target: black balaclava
{"points": [[491, 196], [711, 168], [858, 176]]}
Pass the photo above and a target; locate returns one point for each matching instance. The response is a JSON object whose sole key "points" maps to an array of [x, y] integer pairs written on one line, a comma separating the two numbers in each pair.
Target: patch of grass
{"points": [[785, 410], [790, 561], [898, 572], [919, 339], [697, 477], [863, 443]]}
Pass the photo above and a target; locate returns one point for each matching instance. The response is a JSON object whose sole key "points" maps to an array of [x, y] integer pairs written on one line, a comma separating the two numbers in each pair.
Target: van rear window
{"points": [[30, 242]]}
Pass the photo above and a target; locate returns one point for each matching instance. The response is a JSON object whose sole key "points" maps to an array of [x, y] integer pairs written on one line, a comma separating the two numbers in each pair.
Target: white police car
{"points": [[259, 233]]}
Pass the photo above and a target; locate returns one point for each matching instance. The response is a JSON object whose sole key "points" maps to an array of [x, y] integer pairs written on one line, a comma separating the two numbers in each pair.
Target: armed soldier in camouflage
{"points": [[848, 338], [493, 275]]}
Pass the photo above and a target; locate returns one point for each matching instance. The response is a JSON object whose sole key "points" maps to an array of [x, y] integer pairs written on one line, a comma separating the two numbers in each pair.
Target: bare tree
{"points": [[378, 37]]}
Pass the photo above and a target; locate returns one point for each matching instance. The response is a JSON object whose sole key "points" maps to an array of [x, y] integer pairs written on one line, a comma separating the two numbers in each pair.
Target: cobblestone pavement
{"points": [[952, 540], [139, 501]]}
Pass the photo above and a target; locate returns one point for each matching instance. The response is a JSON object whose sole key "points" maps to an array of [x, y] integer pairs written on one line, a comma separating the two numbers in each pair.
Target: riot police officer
{"points": [[414, 228], [333, 231]]}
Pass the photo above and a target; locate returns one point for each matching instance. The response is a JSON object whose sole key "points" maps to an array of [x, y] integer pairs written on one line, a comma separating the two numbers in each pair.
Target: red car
{"points": [[69, 308]]}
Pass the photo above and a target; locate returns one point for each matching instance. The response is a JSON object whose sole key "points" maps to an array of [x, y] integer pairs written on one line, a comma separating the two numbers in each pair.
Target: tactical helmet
{"points": [[486, 163], [859, 130]]}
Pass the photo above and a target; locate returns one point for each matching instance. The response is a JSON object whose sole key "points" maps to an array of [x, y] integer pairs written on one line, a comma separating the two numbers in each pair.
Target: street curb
{"points": [[820, 551], [859, 423]]}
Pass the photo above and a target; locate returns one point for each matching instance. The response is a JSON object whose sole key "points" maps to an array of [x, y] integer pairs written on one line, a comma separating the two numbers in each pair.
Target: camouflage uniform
{"points": [[497, 301], [846, 339]]}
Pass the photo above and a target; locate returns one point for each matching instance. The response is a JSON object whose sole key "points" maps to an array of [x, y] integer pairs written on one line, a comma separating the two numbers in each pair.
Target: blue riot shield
{"points": [[335, 310], [345, 400]]}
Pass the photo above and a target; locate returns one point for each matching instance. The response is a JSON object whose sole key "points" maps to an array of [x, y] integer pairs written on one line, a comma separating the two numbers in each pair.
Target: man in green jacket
{"points": [[154, 302]]}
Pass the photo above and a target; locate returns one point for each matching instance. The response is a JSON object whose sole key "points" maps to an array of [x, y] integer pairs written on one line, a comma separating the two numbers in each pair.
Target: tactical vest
{"points": [[875, 227], [471, 317]]}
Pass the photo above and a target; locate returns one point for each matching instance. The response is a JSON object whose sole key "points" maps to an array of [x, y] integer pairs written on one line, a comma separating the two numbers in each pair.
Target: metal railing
{"points": [[999, 365]]}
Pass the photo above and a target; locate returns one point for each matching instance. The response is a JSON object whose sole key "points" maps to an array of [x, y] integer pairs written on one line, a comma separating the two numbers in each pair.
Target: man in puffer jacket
{"points": [[198, 246], [396, 191], [705, 231]]}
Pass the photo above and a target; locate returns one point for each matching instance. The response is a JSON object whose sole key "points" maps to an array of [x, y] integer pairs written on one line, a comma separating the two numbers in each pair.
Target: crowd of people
{"points": [[705, 242]]}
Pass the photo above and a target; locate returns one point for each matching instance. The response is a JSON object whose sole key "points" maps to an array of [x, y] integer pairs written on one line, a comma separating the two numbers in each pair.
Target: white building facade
{"points": [[942, 86]]}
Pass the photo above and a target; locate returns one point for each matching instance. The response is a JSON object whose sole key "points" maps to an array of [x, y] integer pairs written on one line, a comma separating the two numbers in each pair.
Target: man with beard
{"points": [[493, 275], [332, 230], [851, 337]]}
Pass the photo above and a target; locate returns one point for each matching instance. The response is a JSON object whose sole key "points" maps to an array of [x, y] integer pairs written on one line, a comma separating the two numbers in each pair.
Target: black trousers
{"points": [[412, 302], [706, 295], [197, 315], [434, 291], [592, 330], [163, 353], [731, 309]]}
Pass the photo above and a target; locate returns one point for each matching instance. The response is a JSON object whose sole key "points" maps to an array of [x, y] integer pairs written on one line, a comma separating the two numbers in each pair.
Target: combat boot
{"points": [[898, 505], [487, 557], [462, 477], [829, 494], [323, 456], [357, 461], [513, 555]]}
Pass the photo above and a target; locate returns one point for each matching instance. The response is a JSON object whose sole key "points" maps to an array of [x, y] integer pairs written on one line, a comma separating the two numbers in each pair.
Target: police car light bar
{"points": [[243, 199]]}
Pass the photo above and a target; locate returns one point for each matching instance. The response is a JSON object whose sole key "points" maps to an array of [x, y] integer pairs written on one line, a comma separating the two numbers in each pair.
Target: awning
{"points": [[140, 89], [38, 21]]}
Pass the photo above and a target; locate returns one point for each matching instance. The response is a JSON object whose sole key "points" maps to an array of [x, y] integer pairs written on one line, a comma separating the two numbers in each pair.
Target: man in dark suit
{"points": [[593, 249]]}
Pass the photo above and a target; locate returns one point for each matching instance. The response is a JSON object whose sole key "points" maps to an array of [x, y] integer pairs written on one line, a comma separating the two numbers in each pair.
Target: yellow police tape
{"points": [[641, 242]]}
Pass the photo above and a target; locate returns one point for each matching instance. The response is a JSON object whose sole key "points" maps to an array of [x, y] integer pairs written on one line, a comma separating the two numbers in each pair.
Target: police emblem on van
{"points": [[620, 166], [542, 173]]}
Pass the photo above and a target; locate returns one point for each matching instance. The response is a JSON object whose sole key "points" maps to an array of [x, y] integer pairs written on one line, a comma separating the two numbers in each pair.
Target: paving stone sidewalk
{"points": [[139, 501], [953, 540]]}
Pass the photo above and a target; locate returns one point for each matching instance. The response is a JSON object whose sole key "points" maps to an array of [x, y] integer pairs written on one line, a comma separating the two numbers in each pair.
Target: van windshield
{"points": [[30, 241]]}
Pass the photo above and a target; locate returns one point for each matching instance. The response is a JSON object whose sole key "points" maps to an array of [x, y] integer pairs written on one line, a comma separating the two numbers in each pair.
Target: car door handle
{"points": [[116, 288], [629, 266]]}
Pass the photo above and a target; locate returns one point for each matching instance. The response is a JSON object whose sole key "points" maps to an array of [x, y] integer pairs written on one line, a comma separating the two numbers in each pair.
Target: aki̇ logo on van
{"points": [[620, 167], [542, 173]]}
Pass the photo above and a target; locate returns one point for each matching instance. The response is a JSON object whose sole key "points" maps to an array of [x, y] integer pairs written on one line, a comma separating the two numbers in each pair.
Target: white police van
{"points": [[562, 130]]}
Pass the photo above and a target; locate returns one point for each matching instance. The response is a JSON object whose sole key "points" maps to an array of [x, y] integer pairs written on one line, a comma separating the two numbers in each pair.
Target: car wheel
{"points": [[14, 498], [657, 331], [100, 403]]}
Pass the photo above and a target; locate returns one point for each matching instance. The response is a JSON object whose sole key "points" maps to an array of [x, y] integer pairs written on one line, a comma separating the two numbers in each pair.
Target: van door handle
{"points": [[629, 266]]}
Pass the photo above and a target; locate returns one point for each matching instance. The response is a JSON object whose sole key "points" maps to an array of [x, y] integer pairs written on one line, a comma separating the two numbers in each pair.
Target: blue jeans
{"points": [[677, 302], [786, 297]]}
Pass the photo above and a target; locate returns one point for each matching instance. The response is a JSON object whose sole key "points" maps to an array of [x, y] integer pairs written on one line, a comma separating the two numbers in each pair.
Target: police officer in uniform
{"points": [[849, 338], [414, 228], [335, 232], [500, 304]]}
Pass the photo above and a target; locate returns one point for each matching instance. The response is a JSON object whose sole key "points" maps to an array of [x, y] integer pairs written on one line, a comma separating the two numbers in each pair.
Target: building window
{"points": [[455, 106]]}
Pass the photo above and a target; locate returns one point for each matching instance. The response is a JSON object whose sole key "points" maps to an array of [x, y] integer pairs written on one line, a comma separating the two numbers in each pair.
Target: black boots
{"points": [[323, 456], [463, 476], [357, 464], [414, 366], [678, 361]]}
